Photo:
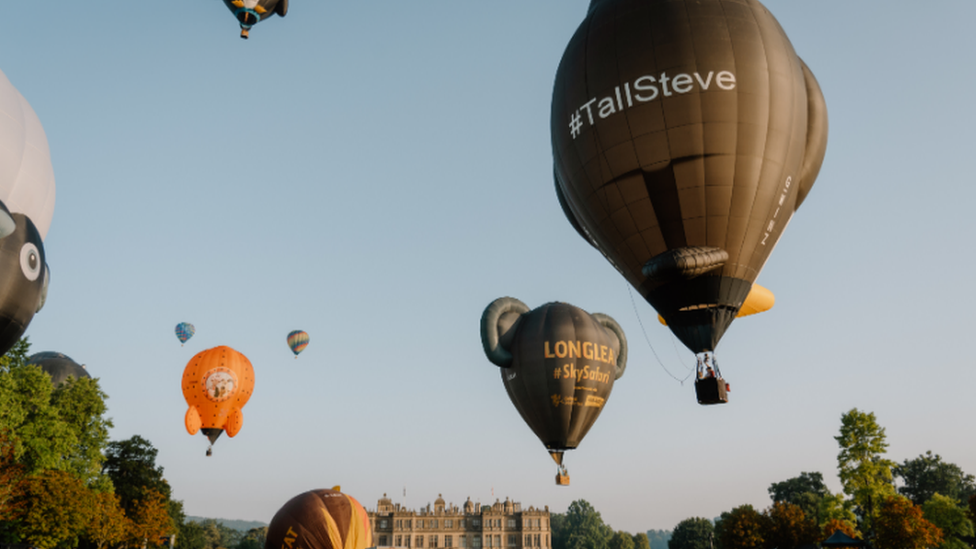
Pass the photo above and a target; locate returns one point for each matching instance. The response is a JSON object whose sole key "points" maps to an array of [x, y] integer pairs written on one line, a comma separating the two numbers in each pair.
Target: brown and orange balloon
{"points": [[320, 519], [217, 383]]}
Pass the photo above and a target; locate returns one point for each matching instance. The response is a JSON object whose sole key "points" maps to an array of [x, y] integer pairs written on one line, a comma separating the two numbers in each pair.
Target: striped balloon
{"points": [[297, 340], [320, 519], [184, 331]]}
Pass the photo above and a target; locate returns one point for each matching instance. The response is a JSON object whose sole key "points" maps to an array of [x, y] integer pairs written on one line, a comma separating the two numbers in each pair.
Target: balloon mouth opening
{"points": [[247, 18]]}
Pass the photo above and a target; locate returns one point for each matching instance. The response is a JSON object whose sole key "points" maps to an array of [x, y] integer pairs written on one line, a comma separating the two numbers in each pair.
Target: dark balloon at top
{"points": [[685, 135], [252, 12], [59, 366], [23, 280], [558, 364]]}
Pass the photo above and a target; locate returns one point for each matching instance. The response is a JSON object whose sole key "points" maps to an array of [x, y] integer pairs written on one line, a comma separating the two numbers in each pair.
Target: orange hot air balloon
{"points": [[217, 383]]}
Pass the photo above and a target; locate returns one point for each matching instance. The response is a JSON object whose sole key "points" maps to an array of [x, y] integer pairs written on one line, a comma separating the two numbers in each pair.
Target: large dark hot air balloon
{"points": [[252, 12], [320, 519], [23, 280], [558, 364], [685, 135]]}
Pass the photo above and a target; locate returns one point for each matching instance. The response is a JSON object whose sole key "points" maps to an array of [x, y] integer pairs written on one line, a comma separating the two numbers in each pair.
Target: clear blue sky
{"points": [[376, 173]]}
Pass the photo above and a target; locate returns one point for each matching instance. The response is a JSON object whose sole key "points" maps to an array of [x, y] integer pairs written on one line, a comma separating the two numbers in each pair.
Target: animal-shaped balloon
{"points": [[217, 383], [297, 341], [320, 519], [685, 134], [23, 280], [26, 208], [59, 366], [184, 331], [558, 364], [251, 12]]}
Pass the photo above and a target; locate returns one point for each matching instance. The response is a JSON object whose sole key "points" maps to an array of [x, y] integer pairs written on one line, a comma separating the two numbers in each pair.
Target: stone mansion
{"points": [[502, 525]]}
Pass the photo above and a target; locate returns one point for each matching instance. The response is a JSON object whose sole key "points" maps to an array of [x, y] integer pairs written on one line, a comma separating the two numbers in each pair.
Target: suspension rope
{"points": [[648, 340]]}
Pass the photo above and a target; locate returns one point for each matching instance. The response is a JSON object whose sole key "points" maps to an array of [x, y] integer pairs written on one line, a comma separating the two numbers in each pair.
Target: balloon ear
{"points": [[192, 420], [816, 136], [47, 279], [7, 223], [498, 325], [611, 325], [235, 420]]}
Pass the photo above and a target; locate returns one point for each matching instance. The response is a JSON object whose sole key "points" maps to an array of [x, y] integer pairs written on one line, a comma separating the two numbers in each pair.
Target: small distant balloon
{"points": [[297, 340], [184, 331]]}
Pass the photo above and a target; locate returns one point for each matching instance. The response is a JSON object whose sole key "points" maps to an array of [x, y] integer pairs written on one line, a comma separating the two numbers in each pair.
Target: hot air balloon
{"points": [[685, 135], [184, 331], [251, 12], [558, 364], [59, 366], [217, 383], [320, 519], [26, 208], [297, 340]]}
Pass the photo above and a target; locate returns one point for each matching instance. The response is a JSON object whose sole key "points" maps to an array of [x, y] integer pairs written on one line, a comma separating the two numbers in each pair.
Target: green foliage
{"points": [[191, 536], [621, 540], [641, 541], [581, 528], [805, 491], [131, 465], [864, 473], [951, 518], [927, 475], [254, 538], [741, 528], [52, 429], [692, 533], [58, 509], [833, 507]]}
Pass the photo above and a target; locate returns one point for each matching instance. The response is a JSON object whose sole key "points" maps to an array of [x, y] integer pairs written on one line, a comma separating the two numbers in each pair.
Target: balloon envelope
{"points": [[59, 366], [685, 134], [23, 280], [26, 173], [217, 383], [297, 340], [562, 366], [184, 331], [320, 519]]}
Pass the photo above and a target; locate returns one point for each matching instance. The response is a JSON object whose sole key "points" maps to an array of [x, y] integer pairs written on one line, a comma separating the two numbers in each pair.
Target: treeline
{"points": [[924, 502], [64, 484]]}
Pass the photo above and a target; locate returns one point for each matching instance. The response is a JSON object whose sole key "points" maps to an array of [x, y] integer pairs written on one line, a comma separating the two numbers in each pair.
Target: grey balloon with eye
{"points": [[24, 276], [558, 364]]}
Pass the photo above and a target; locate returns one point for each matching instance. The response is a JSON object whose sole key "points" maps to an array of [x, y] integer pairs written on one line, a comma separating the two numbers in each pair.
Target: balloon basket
{"points": [[711, 390], [562, 480]]}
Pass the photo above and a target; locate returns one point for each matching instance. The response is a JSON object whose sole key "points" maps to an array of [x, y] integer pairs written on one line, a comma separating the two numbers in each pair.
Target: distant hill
{"points": [[239, 525]]}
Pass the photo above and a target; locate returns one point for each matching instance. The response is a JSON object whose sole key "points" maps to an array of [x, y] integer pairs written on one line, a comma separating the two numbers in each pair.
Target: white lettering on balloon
{"points": [[646, 88]]}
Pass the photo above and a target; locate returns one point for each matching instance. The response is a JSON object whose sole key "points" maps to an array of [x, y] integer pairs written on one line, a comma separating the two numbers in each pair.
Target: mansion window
{"points": [[448, 540], [420, 541], [512, 540]]}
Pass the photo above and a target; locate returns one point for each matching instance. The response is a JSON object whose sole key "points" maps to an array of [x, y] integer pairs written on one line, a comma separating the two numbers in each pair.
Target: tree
{"points": [[788, 526], [641, 541], [11, 481], [741, 528], [658, 539], [927, 475], [692, 533], [621, 540], [131, 465], [108, 525], [191, 536], [149, 519], [833, 508], [806, 491], [900, 525], [946, 513], [52, 429], [58, 509], [585, 527], [864, 473], [254, 538]]}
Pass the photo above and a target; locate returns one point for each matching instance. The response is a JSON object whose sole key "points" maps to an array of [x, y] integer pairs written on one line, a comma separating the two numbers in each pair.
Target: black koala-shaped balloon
{"points": [[24, 277], [59, 366]]}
